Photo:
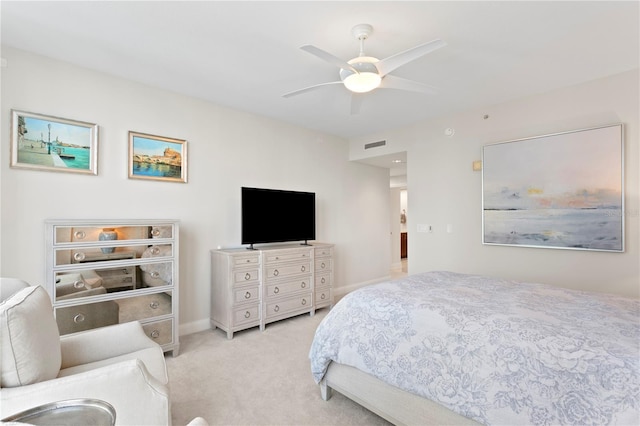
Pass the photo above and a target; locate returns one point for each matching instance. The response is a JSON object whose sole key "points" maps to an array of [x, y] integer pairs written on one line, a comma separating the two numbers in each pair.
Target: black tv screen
{"points": [[272, 215]]}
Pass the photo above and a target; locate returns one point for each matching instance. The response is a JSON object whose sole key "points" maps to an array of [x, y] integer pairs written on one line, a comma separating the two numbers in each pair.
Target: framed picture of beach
{"points": [[563, 191], [44, 142], [157, 158]]}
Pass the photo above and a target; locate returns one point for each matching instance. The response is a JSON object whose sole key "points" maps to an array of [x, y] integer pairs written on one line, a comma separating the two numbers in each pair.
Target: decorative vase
{"points": [[108, 234]]}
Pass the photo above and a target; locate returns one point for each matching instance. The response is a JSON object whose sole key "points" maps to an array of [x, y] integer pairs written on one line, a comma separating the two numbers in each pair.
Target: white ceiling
{"points": [[245, 55]]}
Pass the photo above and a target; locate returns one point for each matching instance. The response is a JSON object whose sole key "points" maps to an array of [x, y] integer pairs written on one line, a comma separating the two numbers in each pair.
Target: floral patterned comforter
{"points": [[497, 351]]}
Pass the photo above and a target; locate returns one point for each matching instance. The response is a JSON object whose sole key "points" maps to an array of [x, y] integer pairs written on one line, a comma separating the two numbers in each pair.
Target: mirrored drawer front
{"points": [[322, 280], [247, 315], [323, 264], [110, 254], [73, 319], [87, 255], [160, 332], [288, 306], [323, 296], [245, 295], [280, 271], [246, 276], [144, 307], [288, 287], [323, 252], [288, 255], [91, 282], [246, 260], [68, 234]]}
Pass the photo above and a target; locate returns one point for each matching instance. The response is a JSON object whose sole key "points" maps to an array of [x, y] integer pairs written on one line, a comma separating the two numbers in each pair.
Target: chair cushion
{"points": [[29, 338]]}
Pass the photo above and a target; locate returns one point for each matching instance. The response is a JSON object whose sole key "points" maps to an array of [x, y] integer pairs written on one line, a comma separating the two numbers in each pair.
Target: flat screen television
{"points": [[273, 215]]}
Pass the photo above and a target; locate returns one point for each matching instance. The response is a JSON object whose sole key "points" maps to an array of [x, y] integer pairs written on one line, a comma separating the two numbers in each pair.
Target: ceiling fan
{"points": [[365, 73]]}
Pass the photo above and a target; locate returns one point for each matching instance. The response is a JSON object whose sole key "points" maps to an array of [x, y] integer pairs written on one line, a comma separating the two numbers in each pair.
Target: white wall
{"points": [[444, 190], [227, 149]]}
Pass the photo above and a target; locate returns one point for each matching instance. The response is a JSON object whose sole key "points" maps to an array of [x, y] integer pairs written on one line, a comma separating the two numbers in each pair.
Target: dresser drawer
{"points": [[288, 306], [280, 271], [144, 307], [246, 276], [323, 252], [323, 297], [323, 264], [246, 315], [323, 280], [72, 319], [246, 295], [160, 332], [284, 256], [246, 260], [283, 288]]}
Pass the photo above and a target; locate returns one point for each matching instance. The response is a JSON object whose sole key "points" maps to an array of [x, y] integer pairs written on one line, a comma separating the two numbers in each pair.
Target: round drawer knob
{"points": [[155, 232], [247, 295], [276, 308], [247, 314], [78, 318], [154, 334], [276, 290], [80, 235], [78, 284], [323, 280], [154, 305], [155, 274], [155, 250], [79, 256], [303, 268], [322, 296], [247, 276], [276, 273], [322, 265], [304, 302], [303, 285]]}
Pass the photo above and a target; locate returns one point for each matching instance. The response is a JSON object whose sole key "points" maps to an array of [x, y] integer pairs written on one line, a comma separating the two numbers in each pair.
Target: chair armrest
{"points": [[138, 398], [103, 343]]}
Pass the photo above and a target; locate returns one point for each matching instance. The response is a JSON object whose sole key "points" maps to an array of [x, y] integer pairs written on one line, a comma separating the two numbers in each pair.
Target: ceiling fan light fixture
{"points": [[363, 82], [366, 79]]}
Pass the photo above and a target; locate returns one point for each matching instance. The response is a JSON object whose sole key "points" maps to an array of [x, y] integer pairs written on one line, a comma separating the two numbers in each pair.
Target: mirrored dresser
{"points": [[105, 272]]}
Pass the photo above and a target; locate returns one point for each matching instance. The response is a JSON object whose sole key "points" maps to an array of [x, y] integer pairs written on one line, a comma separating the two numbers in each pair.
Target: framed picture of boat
{"points": [[43, 142], [563, 191], [157, 158]]}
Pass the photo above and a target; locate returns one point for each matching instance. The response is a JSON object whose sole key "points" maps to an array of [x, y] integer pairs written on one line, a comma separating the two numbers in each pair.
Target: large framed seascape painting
{"points": [[44, 142], [157, 158], [563, 191]]}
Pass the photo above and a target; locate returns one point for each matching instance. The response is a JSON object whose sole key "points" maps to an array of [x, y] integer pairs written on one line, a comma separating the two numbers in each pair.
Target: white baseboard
{"points": [[342, 291], [194, 327]]}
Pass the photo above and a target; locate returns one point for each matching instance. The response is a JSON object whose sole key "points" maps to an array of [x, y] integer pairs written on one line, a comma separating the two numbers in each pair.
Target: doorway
{"points": [[396, 163]]}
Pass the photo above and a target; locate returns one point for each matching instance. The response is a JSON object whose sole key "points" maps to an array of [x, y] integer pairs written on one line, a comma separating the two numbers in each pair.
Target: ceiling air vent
{"points": [[375, 144]]}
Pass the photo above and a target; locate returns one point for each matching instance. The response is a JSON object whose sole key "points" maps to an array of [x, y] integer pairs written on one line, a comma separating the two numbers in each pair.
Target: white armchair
{"points": [[118, 364]]}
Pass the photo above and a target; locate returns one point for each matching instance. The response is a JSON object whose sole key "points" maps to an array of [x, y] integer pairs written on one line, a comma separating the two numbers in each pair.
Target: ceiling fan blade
{"points": [[307, 89], [356, 102], [326, 56], [387, 65], [393, 82]]}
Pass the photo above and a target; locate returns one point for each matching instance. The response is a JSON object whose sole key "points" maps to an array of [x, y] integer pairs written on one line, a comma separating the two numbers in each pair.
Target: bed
{"points": [[449, 348]]}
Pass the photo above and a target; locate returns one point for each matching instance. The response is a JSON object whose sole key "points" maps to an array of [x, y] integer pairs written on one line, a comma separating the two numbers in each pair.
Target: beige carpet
{"points": [[257, 378]]}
